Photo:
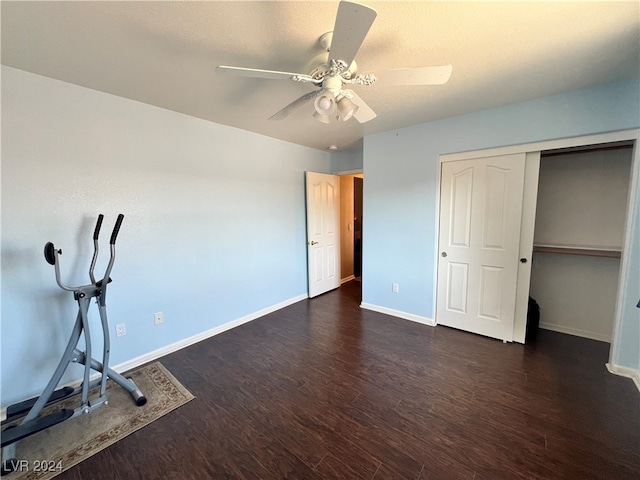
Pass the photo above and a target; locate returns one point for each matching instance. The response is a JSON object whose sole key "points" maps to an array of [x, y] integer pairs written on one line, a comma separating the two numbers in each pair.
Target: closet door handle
{"points": [[523, 260]]}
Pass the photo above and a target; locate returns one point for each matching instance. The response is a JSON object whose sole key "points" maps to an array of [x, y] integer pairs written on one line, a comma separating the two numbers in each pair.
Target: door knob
{"points": [[523, 260], [444, 254], [313, 242]]}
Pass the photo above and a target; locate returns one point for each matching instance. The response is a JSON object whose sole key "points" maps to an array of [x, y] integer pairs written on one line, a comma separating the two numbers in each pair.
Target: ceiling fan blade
{"points": [[415, 76], [352, 25], [364, 112], [257, 73], [295, 105]]}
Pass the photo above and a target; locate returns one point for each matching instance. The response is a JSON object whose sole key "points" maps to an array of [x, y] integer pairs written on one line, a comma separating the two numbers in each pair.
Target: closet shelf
{"points": [[590, 251]]}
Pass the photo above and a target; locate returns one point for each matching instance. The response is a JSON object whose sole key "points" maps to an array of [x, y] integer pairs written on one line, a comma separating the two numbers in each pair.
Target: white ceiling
{"points": [[165, 54]]}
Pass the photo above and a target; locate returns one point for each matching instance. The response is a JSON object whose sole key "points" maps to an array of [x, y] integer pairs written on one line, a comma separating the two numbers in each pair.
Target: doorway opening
{"points": [[351, 220], [334, 218]]}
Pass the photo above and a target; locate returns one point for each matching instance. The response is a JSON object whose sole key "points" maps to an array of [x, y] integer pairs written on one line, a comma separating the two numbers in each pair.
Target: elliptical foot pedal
{"points": [[18, 432], [17, 409]]}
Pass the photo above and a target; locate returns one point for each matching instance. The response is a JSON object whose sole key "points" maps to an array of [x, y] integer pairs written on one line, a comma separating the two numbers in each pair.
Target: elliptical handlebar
{"points": [[116, 229], [96, 232], [112, 242], [51, 255]]}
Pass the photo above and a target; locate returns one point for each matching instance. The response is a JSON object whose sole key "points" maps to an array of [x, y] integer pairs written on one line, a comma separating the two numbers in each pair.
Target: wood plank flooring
{"points": [[325, 390]]}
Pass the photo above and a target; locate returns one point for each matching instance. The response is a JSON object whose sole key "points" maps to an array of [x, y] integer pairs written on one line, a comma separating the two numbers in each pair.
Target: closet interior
{"points": [[578, 239]]}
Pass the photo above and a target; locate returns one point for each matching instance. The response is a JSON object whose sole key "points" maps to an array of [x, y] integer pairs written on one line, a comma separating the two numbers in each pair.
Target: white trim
{"points": [[397, 313], [436, 253], [527, 228], [161, 352], [347, 279], [631, 373], [625, 265], [576, 332], [543, 145], [174, 347]]}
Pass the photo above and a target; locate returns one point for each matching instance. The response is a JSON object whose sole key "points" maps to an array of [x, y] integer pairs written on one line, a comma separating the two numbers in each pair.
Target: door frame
{"points": [[339, 173], [625, 261]]}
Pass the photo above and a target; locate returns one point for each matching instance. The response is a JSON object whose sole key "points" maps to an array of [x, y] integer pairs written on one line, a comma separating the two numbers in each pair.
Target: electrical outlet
{"points": [[121, 330], [158, 318], [395, 288]]}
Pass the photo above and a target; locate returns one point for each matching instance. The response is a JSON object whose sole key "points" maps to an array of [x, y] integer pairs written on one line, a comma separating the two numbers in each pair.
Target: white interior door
{"points": [[479, 241], [323, 234]]}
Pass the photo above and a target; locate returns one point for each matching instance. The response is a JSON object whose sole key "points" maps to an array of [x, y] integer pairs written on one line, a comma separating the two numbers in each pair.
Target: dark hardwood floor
{"points": [[325, 390]]}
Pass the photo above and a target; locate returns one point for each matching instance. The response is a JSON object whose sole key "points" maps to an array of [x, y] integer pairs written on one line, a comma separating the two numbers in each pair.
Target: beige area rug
{"points": [[70, 442]]}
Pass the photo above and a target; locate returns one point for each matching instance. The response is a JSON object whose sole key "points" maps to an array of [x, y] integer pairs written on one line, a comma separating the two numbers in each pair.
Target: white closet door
{"points": [[480, 218]]}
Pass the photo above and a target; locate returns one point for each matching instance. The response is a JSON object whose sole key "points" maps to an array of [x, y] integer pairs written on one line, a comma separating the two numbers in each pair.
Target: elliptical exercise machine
{"points": [[33, 422]]}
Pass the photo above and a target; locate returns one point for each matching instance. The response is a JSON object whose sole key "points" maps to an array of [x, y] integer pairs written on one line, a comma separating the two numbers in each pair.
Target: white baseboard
{"points": [[347, 279], [397, 313], [631, 373], [174, 347], [576, 332]]}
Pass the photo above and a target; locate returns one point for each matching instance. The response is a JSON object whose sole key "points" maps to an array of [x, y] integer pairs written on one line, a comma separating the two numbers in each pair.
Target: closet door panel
{"points": [[480, 214]]}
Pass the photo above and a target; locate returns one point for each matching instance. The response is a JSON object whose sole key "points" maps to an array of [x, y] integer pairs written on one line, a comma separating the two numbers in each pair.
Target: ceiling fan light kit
{"points": [[321, 118], [331, 71], [346, 108], [325, 104]]}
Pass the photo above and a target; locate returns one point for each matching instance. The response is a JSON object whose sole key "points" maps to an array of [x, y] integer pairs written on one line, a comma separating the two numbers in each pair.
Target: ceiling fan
{"points": [[333, 71]]}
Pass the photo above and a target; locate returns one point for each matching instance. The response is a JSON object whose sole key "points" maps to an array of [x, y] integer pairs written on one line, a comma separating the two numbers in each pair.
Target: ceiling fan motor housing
{"points": [[319, 66], [333, 83]]}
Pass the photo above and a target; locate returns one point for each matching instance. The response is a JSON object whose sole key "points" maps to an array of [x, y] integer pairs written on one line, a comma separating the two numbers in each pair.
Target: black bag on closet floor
{"points": [[533, 321]]}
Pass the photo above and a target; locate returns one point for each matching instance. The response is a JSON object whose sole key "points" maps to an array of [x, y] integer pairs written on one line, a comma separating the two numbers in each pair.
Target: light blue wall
{"points": [[347, 160], [400, 188], [214, 223]]}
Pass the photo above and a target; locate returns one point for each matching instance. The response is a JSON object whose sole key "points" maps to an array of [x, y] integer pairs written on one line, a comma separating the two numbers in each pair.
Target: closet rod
{"points": [[585, 251]]}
